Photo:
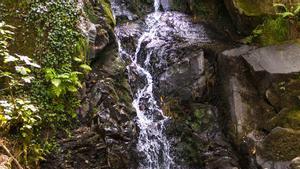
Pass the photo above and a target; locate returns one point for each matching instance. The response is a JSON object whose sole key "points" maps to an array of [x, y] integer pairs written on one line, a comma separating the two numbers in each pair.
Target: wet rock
{"points": [[185, 79], [199, 140], [128, 10]]}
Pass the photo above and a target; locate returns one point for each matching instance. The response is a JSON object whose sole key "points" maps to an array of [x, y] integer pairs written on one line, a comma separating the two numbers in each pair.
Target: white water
{"points": [[152, 142], [162, 30], [153, 145]]}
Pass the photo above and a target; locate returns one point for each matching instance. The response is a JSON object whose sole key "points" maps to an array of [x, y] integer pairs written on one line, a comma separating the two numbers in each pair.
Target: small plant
{"points": [[279, 29], [62, 83], [284, 12]]}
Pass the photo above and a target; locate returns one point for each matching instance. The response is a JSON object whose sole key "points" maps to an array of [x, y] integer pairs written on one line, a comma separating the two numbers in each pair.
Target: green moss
{"points": [[287, 119], [254, 7], [88, 9], [281, 145]]}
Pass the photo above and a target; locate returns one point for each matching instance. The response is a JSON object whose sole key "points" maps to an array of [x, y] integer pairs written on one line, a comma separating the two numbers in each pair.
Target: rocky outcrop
{"points": [[106, 131], [260, 93]]}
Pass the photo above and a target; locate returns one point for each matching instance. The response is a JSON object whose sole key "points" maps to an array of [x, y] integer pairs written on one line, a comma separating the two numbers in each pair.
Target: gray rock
{"points": [[278, 59], [185, 78]]}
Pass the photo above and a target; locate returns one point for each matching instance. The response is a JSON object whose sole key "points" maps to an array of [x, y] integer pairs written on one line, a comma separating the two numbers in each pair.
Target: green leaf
{"points": [[286, 14], [72, 89], [56, 82], [77, 59], [57, 91], [86, 67], [297, 10]]}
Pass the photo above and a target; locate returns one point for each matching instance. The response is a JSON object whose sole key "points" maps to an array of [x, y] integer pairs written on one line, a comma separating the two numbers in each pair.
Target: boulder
{"points": [[262, 103], [278, 59]]}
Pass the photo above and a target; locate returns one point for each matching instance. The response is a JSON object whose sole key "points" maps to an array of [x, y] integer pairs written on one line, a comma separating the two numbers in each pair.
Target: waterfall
{"points": [[152, 141], [153, 145]]}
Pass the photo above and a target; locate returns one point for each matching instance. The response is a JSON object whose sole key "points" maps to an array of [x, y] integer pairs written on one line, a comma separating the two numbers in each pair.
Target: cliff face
{"points": [[230, 105], [107, 132], [233, 108]]}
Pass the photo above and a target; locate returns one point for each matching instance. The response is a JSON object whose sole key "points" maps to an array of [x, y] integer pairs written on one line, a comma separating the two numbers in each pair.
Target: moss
{"points": [[249, 8], [287, 119], [273, 31], [281, 145], [88, 9]]}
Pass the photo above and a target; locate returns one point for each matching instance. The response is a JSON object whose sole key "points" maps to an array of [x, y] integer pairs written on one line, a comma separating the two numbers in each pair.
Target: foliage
{"points": [[272, 31], [18, 114], [36, 101], [284, 12], [279, 29], [62, 83]]}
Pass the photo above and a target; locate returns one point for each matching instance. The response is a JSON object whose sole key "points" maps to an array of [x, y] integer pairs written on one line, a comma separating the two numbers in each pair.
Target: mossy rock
{"points": [[247, 14], [287, 118], [282, 144]]}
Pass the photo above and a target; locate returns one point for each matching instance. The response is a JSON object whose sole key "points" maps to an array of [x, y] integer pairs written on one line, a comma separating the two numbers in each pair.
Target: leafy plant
{"points": [[277, 29], [36, 101], [62, 83]]}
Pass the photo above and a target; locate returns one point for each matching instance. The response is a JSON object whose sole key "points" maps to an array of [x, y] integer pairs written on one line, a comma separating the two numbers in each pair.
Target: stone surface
{"points": [[199, 141], [261, 103], [280, 59], [106, 134]]}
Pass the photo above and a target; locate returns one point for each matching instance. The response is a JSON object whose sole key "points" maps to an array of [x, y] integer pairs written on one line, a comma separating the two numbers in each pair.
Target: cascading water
{"points": [[152, 142], [161, 31], [153, 145]]}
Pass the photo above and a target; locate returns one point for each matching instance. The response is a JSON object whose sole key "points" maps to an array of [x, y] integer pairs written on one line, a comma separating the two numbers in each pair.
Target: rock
{"points": [[106, 133], [97, 28], [128, 10], [287, 118], [244, 85], [199, 140], [282, 144], [295, 163], [185, 79], [179, 69], [273, 98], [278, 59], [246, 109]]}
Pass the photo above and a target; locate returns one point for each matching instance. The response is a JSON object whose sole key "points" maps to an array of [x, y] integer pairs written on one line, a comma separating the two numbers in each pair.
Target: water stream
{"points": [[161, 31], [153, 145]]}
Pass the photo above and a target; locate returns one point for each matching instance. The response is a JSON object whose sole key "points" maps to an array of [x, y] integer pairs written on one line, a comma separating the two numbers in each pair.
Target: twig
{"points": [[14, 159]]}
